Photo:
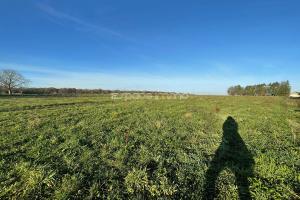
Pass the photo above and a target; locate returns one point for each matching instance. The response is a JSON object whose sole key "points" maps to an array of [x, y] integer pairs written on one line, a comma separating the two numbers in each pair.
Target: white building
{"points": [[295, 95]]}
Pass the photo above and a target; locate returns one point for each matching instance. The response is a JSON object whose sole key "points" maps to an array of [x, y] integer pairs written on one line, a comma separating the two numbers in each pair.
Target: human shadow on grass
{"points": [[233, 154]]}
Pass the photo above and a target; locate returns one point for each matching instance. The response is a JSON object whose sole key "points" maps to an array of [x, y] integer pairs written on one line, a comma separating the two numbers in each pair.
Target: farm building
{"points": [[295, 95]]}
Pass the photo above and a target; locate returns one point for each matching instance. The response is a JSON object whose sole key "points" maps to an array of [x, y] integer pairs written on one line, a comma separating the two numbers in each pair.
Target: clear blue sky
{"points": [[200, 46]]}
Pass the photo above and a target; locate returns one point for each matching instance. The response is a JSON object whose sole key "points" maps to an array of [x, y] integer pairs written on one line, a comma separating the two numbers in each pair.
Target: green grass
{"points": [[97, 148]]}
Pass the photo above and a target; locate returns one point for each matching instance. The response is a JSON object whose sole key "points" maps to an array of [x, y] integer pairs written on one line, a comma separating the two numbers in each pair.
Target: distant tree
{"points": [[236, 90], [284, 88], [10, 80], [240, 90], [272, 89], [250, 90], [230, 91], [260, 90]]}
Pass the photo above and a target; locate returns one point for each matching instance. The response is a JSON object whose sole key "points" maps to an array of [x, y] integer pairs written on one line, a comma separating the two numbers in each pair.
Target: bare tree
{"points": [[11, 79]]}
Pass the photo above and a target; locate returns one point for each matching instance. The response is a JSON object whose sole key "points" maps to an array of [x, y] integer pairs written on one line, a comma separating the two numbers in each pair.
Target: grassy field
{"points": [[98, 148]]}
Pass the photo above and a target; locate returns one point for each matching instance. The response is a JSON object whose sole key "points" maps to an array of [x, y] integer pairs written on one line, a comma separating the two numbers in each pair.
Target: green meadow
{"points": [[202, 147]]}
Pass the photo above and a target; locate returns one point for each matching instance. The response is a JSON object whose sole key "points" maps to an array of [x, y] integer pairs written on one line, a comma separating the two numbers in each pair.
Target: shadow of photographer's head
{"points": [[230, 125]]}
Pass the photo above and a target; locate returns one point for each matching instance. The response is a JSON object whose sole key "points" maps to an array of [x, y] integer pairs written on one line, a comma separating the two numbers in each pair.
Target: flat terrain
{"points": [[99, 148]]}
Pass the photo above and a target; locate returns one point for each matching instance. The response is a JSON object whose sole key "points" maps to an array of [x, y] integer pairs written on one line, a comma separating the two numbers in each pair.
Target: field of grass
{"points": [[197, 148]]}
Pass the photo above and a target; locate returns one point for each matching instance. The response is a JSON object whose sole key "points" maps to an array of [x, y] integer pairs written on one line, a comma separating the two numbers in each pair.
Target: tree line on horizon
{"points": [[272, 89], [13, 82], [68, 91]]}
